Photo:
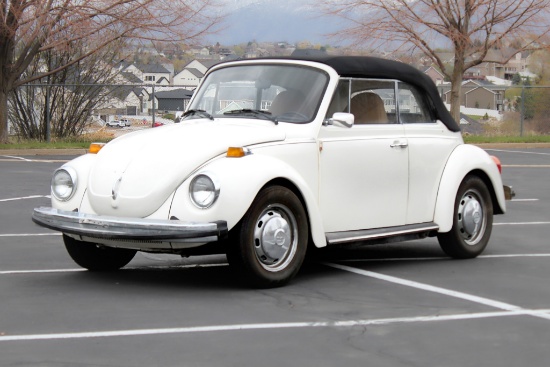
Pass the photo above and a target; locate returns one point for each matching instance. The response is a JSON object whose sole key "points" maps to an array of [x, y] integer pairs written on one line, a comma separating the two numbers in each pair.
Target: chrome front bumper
{"points": [[133, 229]]}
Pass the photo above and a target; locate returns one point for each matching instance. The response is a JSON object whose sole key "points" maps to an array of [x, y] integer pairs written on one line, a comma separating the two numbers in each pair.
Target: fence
{"points": [[70, 109], [37, 110]]}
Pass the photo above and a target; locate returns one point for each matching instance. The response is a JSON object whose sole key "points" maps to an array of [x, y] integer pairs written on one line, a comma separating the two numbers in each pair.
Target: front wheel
{"points": [[269, 245], [97, 258], [472, 221]]}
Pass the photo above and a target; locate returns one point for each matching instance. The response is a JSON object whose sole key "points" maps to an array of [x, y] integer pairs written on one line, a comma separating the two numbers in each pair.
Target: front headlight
{"points": [[64, 183], [204, 191]]}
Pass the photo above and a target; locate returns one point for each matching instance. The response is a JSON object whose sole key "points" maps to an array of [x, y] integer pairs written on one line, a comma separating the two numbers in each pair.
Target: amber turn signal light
{"points": [[95, 147], [233, 152]]}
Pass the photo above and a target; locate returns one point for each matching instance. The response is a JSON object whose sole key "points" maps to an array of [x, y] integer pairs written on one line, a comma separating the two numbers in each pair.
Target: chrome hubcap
{"points": [[471, 218], [275, 237]]}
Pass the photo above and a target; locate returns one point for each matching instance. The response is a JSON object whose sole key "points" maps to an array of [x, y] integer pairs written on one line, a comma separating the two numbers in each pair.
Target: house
{"points": [[498, 67], [154, 74], [192, 73], [434, 74], [201, 65], [479, 94], [172, 101], [148, 73], [188, 78]]}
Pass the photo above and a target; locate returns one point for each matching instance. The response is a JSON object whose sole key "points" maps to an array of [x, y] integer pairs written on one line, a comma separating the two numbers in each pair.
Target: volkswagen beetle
{"points": [[273, 155]]}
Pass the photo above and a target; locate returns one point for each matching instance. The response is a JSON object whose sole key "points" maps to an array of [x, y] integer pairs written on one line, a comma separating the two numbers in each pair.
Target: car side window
{"points": [[340, 99], [373, 102], [413, 106], [370, 101]]}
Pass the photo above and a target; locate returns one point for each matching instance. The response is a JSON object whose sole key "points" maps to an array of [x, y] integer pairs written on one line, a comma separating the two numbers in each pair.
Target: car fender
{"points": [[465, 159], [240, 181]]}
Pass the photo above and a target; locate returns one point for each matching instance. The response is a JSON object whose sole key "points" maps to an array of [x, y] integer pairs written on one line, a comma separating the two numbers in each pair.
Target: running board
{"points": [[337, 238]]}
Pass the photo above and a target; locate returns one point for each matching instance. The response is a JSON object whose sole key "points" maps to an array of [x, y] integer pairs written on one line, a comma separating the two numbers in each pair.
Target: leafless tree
{"points": [[471, 28], [29, 28], [63, 103]]}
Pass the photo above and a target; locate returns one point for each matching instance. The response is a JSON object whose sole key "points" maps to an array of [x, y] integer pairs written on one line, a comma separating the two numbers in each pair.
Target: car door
{"points": [[430, 144], [363, 170]]}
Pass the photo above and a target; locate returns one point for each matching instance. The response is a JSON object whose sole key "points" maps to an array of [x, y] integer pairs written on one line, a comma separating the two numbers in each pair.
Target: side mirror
{"points": [[341, 119]]}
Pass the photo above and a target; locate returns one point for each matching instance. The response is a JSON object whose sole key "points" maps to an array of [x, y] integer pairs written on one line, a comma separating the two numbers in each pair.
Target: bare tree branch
{"points": [[427, 25], [29, 28]]}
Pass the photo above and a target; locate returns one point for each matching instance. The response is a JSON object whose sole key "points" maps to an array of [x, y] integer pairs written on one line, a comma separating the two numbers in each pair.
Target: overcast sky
{"points": [[274, 20]]}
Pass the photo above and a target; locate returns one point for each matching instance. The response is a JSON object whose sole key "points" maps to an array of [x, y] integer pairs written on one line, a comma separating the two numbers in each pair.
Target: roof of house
{"points": [[174, 94], [162, 79], [152, 68], [131, 77], [195, 72], [470, 126]]}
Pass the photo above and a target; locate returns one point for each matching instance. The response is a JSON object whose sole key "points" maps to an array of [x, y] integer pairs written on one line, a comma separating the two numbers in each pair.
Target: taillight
{"points": [[497, 162]]}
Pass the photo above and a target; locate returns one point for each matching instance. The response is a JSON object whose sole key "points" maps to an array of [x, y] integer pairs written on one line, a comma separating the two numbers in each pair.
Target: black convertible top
{"points": [[373, 67]]}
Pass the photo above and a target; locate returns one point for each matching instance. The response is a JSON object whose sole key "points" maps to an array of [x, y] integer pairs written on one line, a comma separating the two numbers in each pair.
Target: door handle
{"points": [[399, 144]]}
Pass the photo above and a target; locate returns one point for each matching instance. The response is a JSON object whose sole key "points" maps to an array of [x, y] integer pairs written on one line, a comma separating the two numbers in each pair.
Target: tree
{"points": [[30, 28], [65, 99], [472, 28]]}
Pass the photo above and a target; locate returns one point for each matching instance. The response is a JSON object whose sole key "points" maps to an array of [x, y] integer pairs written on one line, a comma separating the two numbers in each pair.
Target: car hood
{"points": [[135, 174]]}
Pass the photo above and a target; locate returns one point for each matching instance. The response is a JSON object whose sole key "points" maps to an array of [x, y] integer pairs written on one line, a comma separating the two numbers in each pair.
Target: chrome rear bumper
{"points": [[509, 192], [134, 229]]}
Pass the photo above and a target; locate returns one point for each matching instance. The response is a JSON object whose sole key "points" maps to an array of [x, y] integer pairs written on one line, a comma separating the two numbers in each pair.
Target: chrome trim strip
{"points": [[371, 234], [108, 227]]}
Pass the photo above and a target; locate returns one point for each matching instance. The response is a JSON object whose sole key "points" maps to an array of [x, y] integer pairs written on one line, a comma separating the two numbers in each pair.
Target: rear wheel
{"points": [[269, 245], [472, 221], [97, 258]]}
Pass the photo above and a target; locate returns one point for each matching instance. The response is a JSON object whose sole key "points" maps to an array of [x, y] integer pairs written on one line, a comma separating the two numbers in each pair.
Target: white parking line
{"points": [[526, 166], [517, 151], [30, 234], [507, 309], [14, 157], [26, 197], [10, 158], [43, 271], [206, 265], [188, 266], [397, 259], [439, 290], [520, 223], [268, 326]]}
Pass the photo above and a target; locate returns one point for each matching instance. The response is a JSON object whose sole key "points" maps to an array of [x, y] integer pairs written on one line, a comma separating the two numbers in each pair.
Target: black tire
{"points": [[257, 245], [472, 221], [97, 258]]}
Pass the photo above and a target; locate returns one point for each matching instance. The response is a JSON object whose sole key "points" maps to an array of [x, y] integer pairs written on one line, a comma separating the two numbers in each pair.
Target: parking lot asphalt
{"points": [[392, 305]]}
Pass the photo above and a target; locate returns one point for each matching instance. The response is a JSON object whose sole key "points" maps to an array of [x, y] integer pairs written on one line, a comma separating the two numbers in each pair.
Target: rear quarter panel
{"points": [[465, 159]]}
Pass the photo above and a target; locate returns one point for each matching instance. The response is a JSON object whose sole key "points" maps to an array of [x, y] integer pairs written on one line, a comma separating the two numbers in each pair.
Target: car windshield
{"points": [[281, 93]]}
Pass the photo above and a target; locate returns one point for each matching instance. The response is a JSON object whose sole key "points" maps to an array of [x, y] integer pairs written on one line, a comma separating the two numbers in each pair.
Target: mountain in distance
{"points": [[273, 21]]}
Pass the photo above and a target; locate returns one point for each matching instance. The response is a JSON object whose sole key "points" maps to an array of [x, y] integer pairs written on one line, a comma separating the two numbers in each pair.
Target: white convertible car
{"points": [[274, 155]]}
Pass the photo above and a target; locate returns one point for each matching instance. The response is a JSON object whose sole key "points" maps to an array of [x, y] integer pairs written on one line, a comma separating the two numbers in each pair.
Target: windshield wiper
{"points": [[256, 113], [200, 113]]}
